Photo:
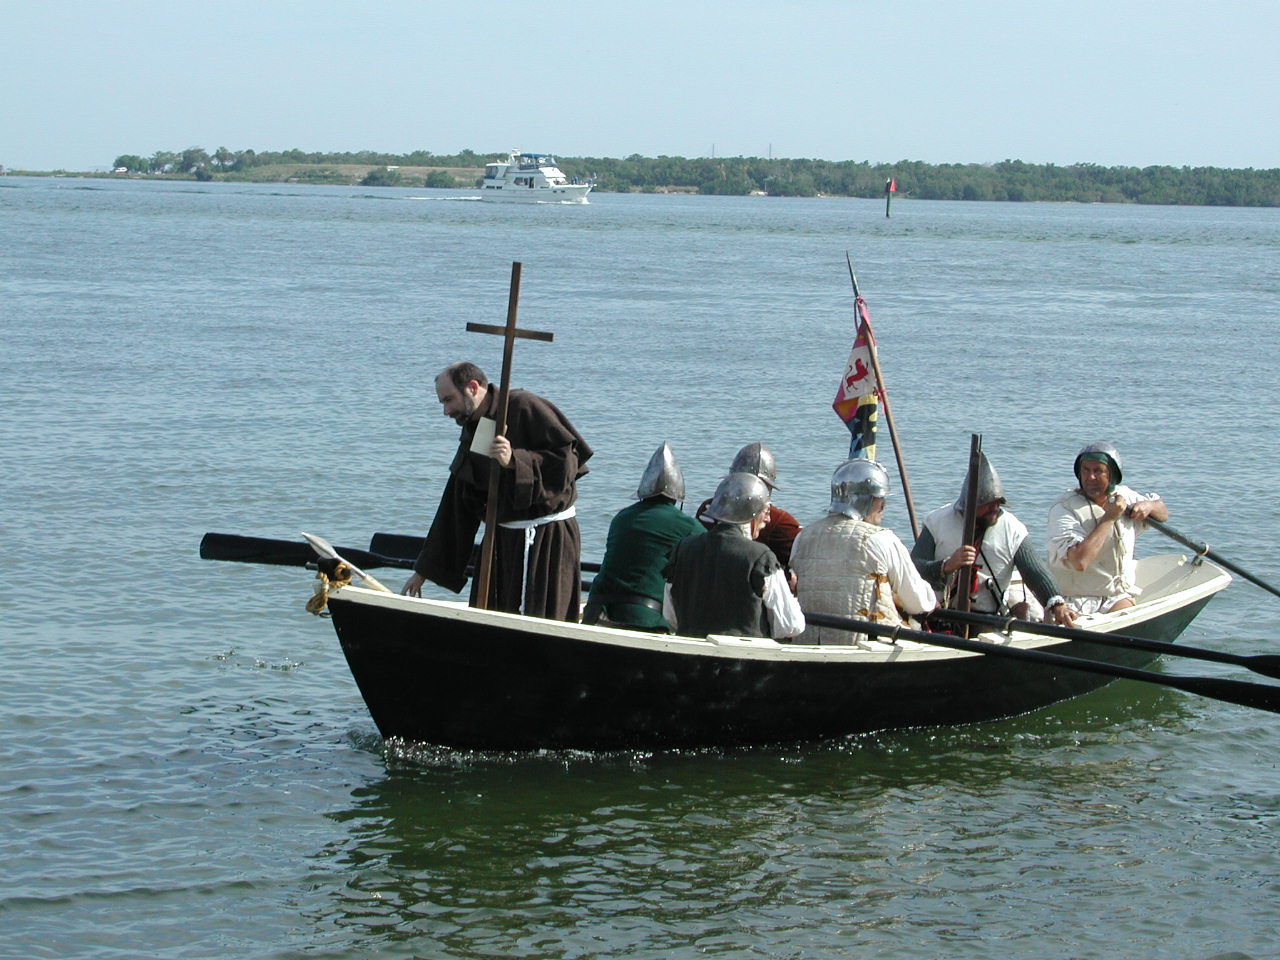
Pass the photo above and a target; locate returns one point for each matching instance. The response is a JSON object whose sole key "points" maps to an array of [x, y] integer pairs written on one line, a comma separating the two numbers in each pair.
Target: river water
{"points": [[189, 770]]}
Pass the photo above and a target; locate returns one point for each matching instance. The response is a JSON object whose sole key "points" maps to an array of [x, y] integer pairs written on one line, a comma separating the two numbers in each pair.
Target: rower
{"points": [[1093, 529], [1002, 546]]}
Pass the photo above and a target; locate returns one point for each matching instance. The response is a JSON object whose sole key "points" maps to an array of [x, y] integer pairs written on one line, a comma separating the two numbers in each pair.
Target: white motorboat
{"points": [[532, 178]]}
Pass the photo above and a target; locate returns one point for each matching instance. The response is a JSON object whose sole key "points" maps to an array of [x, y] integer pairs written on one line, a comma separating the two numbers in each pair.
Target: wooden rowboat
{"points": [[441, 672]]}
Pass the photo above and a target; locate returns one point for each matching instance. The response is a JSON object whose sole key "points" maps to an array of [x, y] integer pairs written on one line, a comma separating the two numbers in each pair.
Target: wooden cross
{"points": [[509, 332]]}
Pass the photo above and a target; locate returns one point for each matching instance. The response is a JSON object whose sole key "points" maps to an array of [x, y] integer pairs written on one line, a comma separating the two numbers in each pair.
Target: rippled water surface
{"points": [[189, 770]]}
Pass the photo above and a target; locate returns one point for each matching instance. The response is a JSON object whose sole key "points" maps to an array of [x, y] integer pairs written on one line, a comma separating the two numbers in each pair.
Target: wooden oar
{"points": [[288, 553], [407, 547], [1266, 664], [1258, 695], [1202, 549]]}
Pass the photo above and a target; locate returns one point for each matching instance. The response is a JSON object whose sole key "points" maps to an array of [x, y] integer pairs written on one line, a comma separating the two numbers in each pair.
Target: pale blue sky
{"points": [[1124, 82]]}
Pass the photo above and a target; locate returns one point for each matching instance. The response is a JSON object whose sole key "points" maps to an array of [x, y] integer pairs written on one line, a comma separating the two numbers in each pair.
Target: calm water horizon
{"points": [[189, 768]]}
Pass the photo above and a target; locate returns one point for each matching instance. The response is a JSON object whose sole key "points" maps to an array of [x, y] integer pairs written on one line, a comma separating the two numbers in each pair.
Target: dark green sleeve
{"points": [[1034, 572], [922, 556]]}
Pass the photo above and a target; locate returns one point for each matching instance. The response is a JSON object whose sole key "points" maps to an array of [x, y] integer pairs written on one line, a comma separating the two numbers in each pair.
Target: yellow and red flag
{"points": [[857, 397]]}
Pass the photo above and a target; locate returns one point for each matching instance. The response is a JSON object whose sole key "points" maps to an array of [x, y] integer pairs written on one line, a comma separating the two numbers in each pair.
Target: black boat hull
{"points": [[441, 674]]}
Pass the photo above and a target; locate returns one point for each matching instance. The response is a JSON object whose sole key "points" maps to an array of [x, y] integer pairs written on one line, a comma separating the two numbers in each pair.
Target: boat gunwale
{"points": [[869, 651]]}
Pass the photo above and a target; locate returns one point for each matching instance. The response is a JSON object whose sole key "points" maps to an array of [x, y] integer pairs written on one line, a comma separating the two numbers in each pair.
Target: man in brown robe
{"points": [[536, 562]]}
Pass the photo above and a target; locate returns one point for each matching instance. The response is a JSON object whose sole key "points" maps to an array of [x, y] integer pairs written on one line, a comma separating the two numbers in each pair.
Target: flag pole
{"points": [[890, 188], [861, 305]]}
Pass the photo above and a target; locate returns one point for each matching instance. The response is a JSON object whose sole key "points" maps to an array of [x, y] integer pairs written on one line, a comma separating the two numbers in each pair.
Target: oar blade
{"points": [[288, 553], [238, 549], [1260, 696], [396, 545], [1266, 664]]}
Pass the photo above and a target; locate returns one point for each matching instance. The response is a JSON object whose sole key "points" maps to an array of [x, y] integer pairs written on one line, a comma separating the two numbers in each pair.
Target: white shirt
{"points": [[786, 619], [1065, 531]]}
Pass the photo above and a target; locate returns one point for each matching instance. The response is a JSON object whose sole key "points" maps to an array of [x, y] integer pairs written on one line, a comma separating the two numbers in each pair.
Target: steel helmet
{"points": [[989, 486], [856, 485], [756, 458], [662, 476], [740, 498], [1105, 453]]}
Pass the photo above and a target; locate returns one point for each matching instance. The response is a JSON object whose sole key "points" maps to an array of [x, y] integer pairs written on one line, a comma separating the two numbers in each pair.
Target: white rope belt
{"points": [[530, 528]]}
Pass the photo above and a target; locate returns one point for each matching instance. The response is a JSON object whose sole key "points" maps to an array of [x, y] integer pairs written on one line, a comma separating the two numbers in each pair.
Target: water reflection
{"points": [[585, 855]]}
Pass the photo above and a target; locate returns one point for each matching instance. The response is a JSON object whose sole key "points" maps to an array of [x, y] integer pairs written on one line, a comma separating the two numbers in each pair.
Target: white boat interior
{"points": [[1169, 581]]}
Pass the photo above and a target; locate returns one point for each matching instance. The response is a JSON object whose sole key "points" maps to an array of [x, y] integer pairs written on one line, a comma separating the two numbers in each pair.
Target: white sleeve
{"points": [[913, 593], [1064, 532], [668, 607], [786, 619]]}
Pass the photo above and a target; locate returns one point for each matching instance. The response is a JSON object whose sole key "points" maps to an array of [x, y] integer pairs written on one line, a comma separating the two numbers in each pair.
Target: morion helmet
{"points": [[662, 477], [856, 485], [756, 458], [740, 498], [1105, 453], [989, 486]]}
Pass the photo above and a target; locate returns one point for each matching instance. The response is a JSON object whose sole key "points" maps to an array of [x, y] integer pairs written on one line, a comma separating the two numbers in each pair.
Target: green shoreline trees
{"points": [[1007, 180]]}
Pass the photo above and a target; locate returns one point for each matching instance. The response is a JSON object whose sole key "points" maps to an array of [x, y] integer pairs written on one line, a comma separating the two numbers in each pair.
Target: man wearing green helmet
{"points": [[1092, 532]]}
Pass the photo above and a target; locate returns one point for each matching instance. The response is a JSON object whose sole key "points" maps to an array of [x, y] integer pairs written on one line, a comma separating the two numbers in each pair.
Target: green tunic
{"points": [[641, 538]]}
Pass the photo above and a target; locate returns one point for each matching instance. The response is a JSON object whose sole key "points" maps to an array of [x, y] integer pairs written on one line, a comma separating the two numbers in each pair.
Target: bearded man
{"points": [[1003, 546], [540, 459]]}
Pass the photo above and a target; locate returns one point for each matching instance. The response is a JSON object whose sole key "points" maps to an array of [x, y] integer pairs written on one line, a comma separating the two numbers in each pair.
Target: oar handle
{"points": [[1202, 549]]}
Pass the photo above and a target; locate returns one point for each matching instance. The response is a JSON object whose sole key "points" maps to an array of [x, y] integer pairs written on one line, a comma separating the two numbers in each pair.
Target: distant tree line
{"points": [[1007, 180], [311, 167], [223, 160]]}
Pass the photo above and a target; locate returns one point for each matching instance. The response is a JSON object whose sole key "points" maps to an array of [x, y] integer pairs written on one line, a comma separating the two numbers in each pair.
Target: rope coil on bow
{"points": [[330, 573]]}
